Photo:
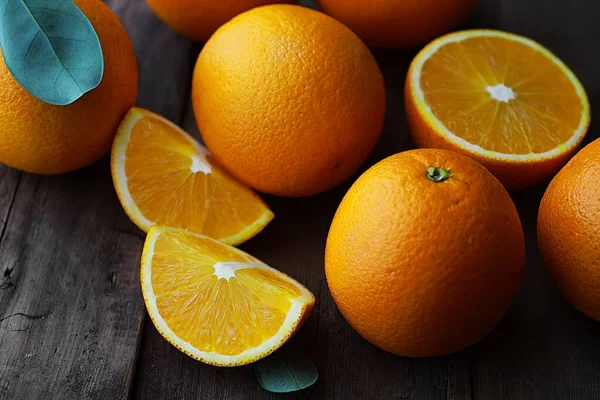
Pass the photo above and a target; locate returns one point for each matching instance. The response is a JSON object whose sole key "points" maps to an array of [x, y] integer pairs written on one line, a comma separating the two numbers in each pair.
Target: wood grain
{"points": [[70, 306], [9, 182], [543, 348], [70, 312], [70, 303]]}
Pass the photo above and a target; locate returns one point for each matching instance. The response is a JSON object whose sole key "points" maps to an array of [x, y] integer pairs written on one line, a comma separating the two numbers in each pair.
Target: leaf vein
{"points": [[51, 45], [53, 10], [287, 365]]}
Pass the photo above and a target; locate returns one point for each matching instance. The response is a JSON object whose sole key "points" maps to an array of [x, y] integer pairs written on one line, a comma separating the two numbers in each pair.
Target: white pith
{"points": [[432, 48], [226, 270], [501, 92]]}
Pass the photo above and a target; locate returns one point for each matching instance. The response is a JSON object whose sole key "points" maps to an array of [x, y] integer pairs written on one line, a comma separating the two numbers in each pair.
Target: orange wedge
{"points": [[164, 177], [216, 303], [500, 98]]}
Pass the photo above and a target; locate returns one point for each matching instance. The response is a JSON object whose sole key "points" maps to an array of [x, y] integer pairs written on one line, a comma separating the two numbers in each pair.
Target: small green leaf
{"points": [[286, 370], [51, 48]]}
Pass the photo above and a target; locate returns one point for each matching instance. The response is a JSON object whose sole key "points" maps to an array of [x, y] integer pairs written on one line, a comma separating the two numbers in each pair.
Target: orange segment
{"points": [[485, 91], [164, 177], [499, 98], [216, 303]]}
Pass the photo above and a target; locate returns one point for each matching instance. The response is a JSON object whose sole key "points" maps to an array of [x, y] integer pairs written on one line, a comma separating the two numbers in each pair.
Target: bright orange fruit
{"points": [[569, 230], [163, 176], [398, 23], [499, 98], [198, 19], [216, 303], [46, 139], [289, 100], [425, 253]]}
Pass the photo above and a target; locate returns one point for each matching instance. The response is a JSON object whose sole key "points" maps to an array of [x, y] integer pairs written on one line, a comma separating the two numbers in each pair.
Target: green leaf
{"points": [[51, 48], [286, 370]]}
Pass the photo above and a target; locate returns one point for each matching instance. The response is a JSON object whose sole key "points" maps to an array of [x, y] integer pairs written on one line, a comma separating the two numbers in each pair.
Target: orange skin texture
{"points": [[289, 100], [514, 175], [198, 19], [45, 139], [398, 23], [569, 230], [421, 268]]}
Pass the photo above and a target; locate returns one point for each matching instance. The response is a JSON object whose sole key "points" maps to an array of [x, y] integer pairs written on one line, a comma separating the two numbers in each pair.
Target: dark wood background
{"points": [[72, 320]]}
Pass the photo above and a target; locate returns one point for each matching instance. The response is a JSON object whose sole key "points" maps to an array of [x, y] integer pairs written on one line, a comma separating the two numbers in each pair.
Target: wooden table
{"points": [[72, 320]]}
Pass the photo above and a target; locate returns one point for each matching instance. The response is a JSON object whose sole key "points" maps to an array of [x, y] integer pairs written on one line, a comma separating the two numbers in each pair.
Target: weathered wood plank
{"points": [[69, 323], [349, 367], [70, 306], [164, 59], [9, 182], [543, 349]]}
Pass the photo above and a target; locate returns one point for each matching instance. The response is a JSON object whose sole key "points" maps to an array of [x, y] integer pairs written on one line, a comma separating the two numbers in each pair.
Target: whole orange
{"points": [[425, 253], [288, 99], [198, 19], [569, 230], [42, 138], [398, 23]]}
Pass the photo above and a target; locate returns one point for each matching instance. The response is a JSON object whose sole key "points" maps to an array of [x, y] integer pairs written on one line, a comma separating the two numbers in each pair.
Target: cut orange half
{"points": [[216, 303], [500, 98], [164, 177]]}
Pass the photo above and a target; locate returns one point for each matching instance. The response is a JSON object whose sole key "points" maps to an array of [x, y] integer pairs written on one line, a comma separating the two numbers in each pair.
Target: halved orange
{"points": [[216, 303], [500, 98], [164, 177]]}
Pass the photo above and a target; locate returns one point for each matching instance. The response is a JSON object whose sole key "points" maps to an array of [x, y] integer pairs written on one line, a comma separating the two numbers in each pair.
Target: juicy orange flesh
{"points": [[544, 113], [212, 314], [173, 195]]}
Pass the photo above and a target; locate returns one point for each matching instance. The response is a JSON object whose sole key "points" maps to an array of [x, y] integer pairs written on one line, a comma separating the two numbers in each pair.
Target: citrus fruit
{"points": [[398, 23], [216, 303], [433, 242], [499, 98], [46, 139], [198, 19], [163, 176], [569, 230], [289, 100]]}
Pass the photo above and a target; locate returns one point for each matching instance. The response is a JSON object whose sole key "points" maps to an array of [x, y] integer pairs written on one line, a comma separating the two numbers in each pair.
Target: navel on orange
{"points": [[500, 98], [216, 303], [163, 176]]}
